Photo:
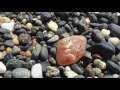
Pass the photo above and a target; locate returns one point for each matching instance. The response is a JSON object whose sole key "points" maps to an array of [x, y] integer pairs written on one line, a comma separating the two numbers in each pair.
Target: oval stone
{"points": [[70, 49]]}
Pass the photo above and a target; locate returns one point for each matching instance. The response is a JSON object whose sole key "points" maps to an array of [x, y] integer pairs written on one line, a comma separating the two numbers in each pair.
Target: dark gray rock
{"points": [[61, 23], [106, 50], [44, 53], [16, 50], [13, 64], [21, 73], [28, 65], [77, 69], [53, 51], [97, 36], [19, 31], [60, 31], [76, 21], [115, 30], [7, 57], [9, 43], [46, 15], [53, 39], [7, 36], [113, 66], [3, 31], [38, 22]]}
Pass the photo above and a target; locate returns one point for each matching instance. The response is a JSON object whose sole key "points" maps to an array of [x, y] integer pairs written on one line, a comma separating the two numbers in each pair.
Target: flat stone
{"points": [[70, 49]]}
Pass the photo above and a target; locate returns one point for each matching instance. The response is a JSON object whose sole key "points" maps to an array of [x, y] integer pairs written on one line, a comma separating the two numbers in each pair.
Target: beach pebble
{"points": [[114, 40], [29, 26], [105, 32], [9, 26], [77, 69], [8, 50], [21, 73], [45, 64], [15, 41], [1, 55], [69, 73], [2, 68], [44, 53], [16, 50], [52, 61], [100, 64], [9, 43], [52, 72], [97, 71], [8, 74], [36, 71], [53, 26], [53, 39]]}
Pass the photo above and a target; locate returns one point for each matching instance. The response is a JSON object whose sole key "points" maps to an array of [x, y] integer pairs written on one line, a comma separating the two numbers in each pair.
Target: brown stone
{"points": [[70, 49]]}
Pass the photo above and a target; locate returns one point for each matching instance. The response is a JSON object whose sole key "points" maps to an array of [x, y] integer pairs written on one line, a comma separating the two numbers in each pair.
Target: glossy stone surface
{"points": [[70, 49]]}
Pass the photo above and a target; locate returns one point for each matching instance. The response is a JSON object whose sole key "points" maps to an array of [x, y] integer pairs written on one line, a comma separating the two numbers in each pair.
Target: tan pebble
{"points": [[15, 41], [28, 54], [29, 26], [4, 20], [1, 55], [24, 21], [8, 50]]}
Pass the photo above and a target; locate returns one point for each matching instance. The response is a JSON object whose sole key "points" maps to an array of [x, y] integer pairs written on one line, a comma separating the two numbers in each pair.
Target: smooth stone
{"points": [[8, 74], [96, 56], [44, 53], [100, 64], [75, 31], [79, 76], [117, 57], [46, 15], [9, 43], [93, 18], [7, 36], [114, 40], [53, 51], [62, 15], [75, 21], [53, 39], [28, 65], [53, 26], [97, 36], [49, 36], [7, 57], [68, 44], [105, 32], [36, 71], [16, 50], [69, 73], [19, 31], [45, 64], [103, 20], [36, 51], [38, 22], [3, 31], [2, 68], [97, 71], [9, 26], [106, 50], [13, 64], [1, 55], [52, 72], [61, 23], [2, 48], [115, 30], [60, 31], [52, 61], [65, 34], [89, 71], [29, 26], [87, 57], [39, 35], [77, 69], [113, 66], [114, 18], [21, 73], [115, 75]]}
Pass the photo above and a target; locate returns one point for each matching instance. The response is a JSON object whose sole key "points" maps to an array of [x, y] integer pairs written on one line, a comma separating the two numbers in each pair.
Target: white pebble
{"points": [[36, 71], [114, 40], [100, 64], [87, 20], [9, 26], [69, 73], [105, 32], [2, 68], [115, 75], [53, 25]]}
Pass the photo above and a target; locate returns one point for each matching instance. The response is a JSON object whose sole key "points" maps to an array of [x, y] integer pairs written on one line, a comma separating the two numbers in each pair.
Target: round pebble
{"points": [[2, 68], [29, 26], [105, 32], [53, 26], [100, 64], [114, 40]]}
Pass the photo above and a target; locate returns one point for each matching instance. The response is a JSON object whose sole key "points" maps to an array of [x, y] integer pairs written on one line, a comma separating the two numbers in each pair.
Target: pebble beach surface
{"points": [[59, 44]]}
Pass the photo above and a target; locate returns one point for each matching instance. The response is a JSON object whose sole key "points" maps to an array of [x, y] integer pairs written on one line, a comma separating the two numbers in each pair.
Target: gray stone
{"points": [[45, 64], [16, 50], [79, 76], [9, 43], [13, 64], [8, 74], [21, 73], [52, 61], [3, 31], [28, 65], [77, 69], [44, 53], [53, 39], [61, 23]]}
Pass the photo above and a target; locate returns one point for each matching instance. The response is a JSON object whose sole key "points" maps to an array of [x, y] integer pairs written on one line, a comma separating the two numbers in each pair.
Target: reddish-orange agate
{"points": [[70, 49]]}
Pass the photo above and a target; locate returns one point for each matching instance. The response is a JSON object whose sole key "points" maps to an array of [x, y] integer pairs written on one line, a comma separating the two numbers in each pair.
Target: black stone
{"points": [[53, 51], [3, 31], [7, 57], [113, 66], [7, 36], [97, 36], [46, 15]]}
